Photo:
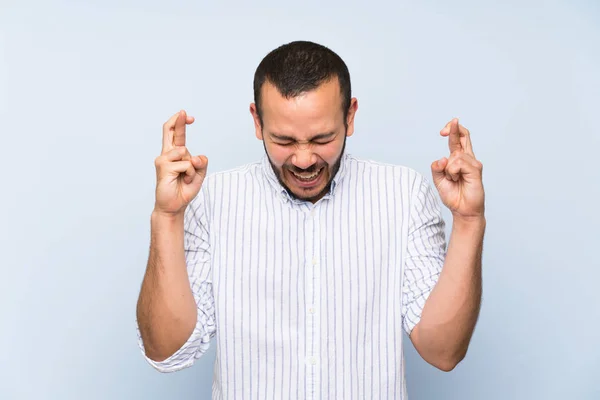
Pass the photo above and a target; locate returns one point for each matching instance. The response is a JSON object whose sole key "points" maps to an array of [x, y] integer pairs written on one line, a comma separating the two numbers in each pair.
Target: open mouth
{"points": [[308, 179]]}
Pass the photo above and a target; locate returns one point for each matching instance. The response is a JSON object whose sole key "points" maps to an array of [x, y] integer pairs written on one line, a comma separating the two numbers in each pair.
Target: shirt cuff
{"points": [[196, 345], [414, 311]]}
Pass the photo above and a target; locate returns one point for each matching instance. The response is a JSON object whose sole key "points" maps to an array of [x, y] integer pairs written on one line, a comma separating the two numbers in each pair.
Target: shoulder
{"points": [[389, 174], [225, 183], [241, 171]]}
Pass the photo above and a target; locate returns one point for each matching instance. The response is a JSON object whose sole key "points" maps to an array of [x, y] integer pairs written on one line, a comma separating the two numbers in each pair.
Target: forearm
{"points": [[451, 311], [166, 310]]}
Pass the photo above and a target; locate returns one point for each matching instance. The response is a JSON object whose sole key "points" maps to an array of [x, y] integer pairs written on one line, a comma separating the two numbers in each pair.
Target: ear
{"points": [[257, 126], [351, 113]]}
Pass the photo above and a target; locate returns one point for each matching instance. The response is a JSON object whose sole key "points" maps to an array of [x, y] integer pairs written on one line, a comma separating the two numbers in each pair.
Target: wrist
{"points": [[163, 217], [469, 223]]}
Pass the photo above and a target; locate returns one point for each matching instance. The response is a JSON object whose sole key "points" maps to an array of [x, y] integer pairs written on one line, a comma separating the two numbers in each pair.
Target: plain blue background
{"points": [[86, 86]]}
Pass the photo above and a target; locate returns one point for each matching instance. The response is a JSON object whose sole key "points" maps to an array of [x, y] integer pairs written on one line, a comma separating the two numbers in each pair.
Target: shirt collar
{"points": [[269, 174]]}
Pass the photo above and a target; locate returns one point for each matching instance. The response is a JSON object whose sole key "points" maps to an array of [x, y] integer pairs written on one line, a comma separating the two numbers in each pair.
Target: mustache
{"points": [[309, 170]]}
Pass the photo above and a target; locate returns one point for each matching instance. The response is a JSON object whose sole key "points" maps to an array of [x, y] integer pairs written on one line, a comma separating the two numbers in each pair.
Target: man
{"points": [[308, 264]]}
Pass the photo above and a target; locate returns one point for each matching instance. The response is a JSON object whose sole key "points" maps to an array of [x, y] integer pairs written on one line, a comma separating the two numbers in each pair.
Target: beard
{"points": [[333, 170]]}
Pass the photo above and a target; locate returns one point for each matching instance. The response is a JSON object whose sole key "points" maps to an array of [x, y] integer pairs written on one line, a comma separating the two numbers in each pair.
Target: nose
{"points": [[304, 158]]}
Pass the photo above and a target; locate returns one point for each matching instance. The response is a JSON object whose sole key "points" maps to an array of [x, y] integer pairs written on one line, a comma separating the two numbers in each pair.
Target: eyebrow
{"points": [[319, 136]]}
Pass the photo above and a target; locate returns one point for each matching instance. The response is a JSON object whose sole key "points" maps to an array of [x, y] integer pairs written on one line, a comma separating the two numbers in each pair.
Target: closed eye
{"points": [[284, 143], [320, 139], [319, 142], [324, 138]]}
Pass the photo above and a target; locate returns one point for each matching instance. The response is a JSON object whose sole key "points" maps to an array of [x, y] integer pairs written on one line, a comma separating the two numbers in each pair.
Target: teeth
{"points": [[308, 177]]}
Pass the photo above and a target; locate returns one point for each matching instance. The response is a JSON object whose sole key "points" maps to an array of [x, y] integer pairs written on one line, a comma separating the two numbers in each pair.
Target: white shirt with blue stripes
{"points": [[308, 301]]}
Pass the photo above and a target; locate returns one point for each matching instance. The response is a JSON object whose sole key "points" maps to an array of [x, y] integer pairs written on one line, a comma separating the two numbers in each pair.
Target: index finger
{"points": [[179, 135], [451, 130], [167, 142], [174, 131]]}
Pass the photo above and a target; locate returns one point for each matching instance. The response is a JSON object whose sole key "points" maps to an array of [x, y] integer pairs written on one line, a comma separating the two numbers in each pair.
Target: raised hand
{"points": [[458, 178], [179, 175]]}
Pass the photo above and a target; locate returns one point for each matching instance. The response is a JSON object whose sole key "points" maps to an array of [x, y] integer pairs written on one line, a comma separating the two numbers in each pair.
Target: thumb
{"points": [[200, 163], [438, 170]]}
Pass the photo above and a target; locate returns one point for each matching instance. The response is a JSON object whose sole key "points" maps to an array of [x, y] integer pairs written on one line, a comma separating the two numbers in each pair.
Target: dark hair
{"points": [[299, 67]]}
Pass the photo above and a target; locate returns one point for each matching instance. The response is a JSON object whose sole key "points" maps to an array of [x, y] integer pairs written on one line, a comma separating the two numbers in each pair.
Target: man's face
{"points": [[304, 137]]}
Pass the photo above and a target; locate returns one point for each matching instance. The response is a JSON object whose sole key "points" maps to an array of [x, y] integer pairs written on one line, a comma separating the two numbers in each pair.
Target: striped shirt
{"points": [[308, 301]]}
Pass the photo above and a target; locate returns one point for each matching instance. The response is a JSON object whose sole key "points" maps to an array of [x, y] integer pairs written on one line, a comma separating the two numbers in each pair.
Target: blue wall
{"points": [[86, 86]]}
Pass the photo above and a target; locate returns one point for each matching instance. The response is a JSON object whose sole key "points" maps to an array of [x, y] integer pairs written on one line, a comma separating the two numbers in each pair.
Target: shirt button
{"points": [[314, 261], [311, 310], [311, 360]]}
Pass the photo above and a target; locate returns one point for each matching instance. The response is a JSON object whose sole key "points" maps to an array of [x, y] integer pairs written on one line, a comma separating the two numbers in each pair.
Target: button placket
{"points": [[312, 318]]}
